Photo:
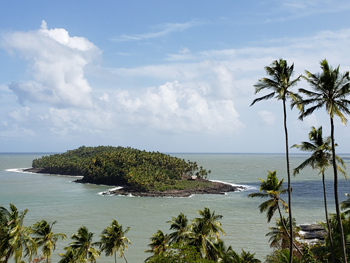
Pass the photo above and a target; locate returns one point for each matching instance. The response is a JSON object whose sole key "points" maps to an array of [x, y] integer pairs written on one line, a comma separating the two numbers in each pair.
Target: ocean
{"points": [[57, 198]]}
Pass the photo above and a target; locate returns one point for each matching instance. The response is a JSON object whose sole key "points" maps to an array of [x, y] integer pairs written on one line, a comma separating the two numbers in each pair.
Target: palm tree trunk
{"points": [[285, 228], [289, 188], [328, 224], [115, 257], [7, 257], [125, 258], [341, 232]]}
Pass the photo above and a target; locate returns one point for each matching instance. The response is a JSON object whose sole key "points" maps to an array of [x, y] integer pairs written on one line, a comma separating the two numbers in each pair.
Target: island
{"points": [[140, 173]]}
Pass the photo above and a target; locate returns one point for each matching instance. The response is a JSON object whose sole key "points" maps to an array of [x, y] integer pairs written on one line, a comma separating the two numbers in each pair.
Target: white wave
{"points": [[17, 170], [241, 188], [191, 195], [302, 233], [108, 192]]}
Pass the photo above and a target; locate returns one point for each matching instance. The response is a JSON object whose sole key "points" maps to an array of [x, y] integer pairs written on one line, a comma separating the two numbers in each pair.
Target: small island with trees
{"points": [[140, 173]]}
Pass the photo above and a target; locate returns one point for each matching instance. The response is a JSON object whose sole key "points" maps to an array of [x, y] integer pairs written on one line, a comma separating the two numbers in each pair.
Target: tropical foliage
{"points": [[113, 240], [123, 166], [280, 84], [271, 188], [82, 247], [320, 159], [15, 239], [198, 241], [45, 238], [330, 90]]}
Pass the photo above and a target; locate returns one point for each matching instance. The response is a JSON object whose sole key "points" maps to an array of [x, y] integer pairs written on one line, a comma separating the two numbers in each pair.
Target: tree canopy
{"points": [[121, 166]]}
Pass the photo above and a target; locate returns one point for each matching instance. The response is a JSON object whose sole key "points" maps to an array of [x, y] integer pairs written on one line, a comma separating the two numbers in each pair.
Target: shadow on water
{"points": [[310, 191]]}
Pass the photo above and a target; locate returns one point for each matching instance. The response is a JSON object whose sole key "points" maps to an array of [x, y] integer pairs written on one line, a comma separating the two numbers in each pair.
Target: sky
{"points": [[168, 76]]}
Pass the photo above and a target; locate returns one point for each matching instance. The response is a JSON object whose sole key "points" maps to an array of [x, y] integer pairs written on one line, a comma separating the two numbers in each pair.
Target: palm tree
{"points": [[113, 239], [202, 239], [333, 220], [69, 256], [14, 236], [320, 159], [280, 84], [159, 243], [82, 246], [283, 256], [46, 238], [279, 237], [247, 257], [181, 228], [204, 234], [330, 89], [272, 188], [226, 254], [211, 221]]}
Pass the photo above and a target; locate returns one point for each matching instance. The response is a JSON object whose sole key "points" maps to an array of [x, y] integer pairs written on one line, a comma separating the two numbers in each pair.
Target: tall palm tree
{"points": [[279, 237], [272, 188], [181, 228], [320, 159], [45, 238], [280, 84], [283, 256], [69, 256], [226, 254], [82, 246], [330, 89], [159, 243], [202, 239], [211, 221], [333, 220], [247, 257], [14, 236], [113, 240]]}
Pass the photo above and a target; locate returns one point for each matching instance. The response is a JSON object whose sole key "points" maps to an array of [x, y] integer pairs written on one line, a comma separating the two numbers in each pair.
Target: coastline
{"points": [[220, 188], [217, 188]]}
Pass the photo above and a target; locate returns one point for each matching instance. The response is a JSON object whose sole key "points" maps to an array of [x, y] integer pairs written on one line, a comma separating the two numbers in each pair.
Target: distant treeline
{"points": [[120, 166]]}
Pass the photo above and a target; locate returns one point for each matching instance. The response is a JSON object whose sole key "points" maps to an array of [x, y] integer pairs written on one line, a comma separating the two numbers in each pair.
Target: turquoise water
{"points": [[56, 198]]}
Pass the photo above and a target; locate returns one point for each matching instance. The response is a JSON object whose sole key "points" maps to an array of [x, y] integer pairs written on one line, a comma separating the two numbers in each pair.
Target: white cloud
{"points": [[208, 95], [289, 10], [16, 131], [267, 117], [171, 107], [20, 114], [160, 30], [315, 6], [56, 63], [178, 108], [183, 54], [104, 97]]}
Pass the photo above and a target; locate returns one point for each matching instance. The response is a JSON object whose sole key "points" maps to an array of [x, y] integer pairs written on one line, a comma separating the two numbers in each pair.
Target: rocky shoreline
{"points": [[312, 233], [216, 188]]}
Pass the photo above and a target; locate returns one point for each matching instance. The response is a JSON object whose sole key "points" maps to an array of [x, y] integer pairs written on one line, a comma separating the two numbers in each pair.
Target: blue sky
{"points": [[169, 76]]}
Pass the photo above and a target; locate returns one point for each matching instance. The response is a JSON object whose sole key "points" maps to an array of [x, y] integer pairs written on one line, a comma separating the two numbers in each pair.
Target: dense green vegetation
{"points": [[195, 242], [189, 241], [124, 166]]}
